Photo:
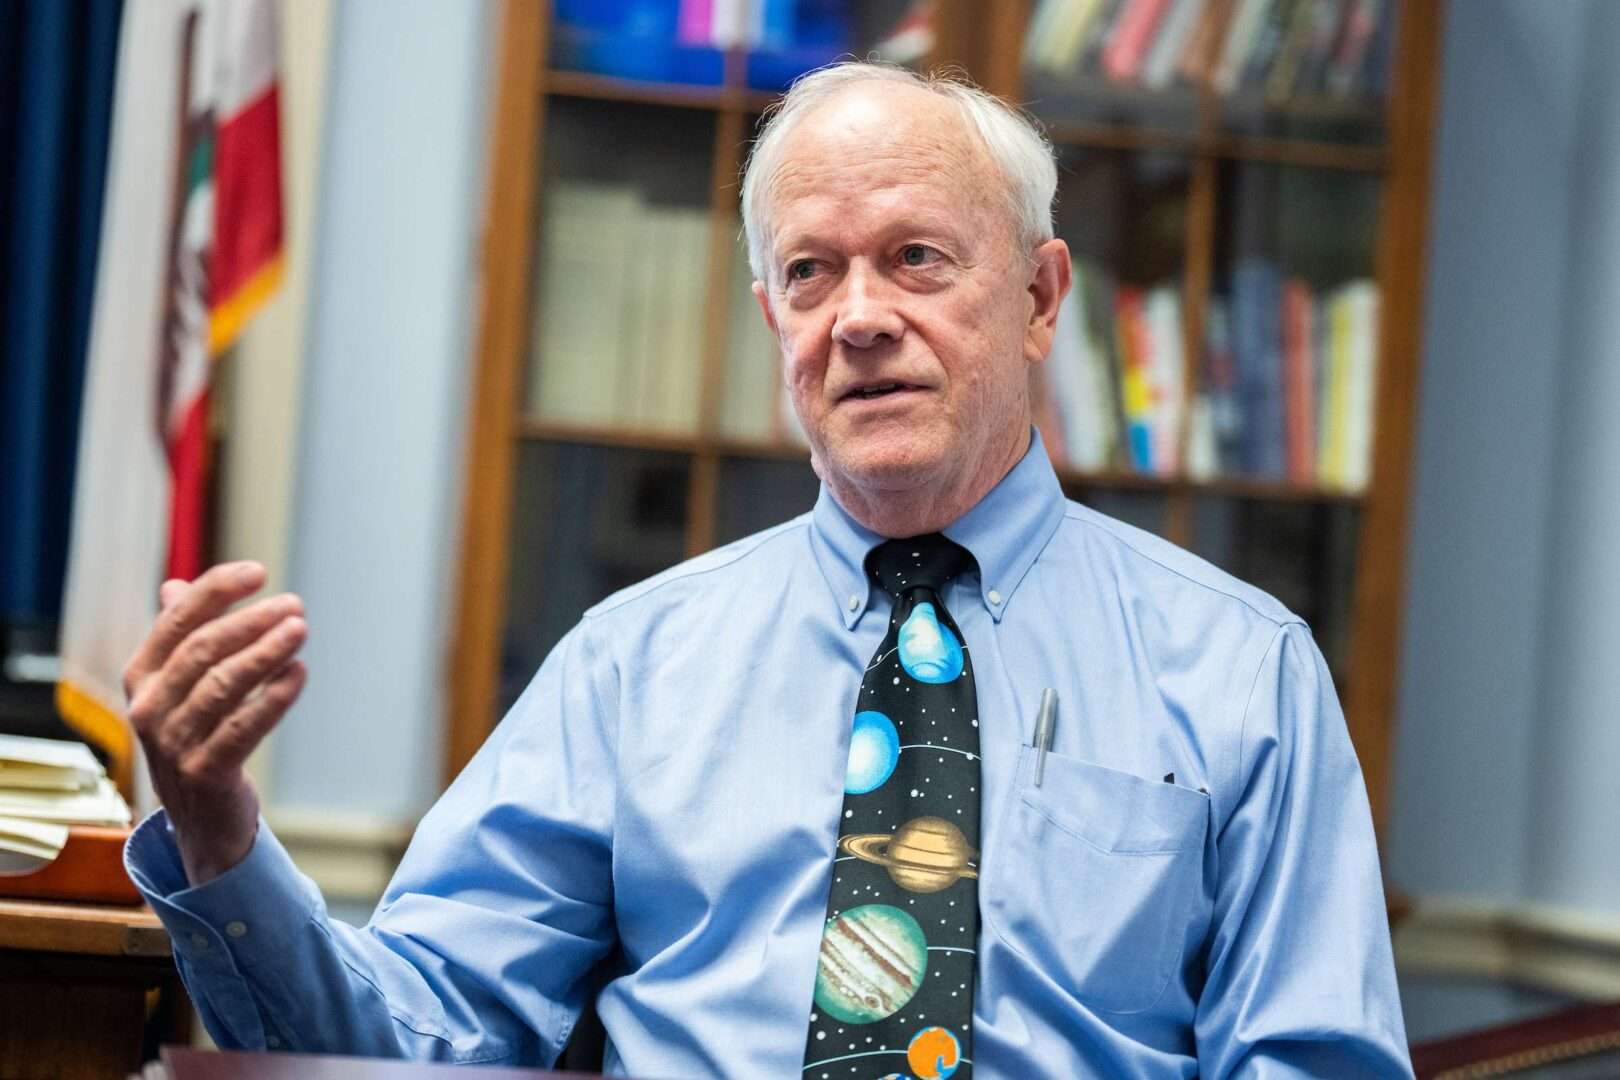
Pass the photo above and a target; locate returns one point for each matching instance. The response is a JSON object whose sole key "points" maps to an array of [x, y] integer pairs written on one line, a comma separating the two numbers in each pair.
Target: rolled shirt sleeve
{"points": [[481, 945], [1301, 978]]}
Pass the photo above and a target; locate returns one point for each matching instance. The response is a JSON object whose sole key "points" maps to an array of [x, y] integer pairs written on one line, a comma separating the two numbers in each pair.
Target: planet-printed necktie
{"points": [[894, 979]]}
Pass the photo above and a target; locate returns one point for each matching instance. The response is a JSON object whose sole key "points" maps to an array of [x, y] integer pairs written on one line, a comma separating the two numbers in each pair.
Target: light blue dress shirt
{"points": [[661, 806]]}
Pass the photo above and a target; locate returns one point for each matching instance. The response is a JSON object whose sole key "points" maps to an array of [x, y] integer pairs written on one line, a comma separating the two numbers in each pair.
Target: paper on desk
{"points": [[101, 805], [25, 845], [47, 763]]}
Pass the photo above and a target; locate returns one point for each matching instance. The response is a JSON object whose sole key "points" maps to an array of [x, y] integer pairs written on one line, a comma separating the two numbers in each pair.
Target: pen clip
{"points": [[1045, 722]]}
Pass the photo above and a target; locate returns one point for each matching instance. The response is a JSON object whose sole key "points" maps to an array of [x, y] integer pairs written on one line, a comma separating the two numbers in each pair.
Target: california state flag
{"points": [[190, 247]]}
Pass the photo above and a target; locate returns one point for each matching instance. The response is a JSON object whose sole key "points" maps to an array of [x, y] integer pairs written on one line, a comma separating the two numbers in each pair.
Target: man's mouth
{"points": [[877, 390]]}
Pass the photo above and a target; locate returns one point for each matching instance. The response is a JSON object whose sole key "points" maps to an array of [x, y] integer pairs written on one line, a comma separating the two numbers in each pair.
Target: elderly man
{"points": [[949, 774]]}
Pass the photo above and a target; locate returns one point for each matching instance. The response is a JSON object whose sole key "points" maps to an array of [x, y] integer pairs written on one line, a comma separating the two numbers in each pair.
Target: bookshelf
{"points": [[1183, 194]]}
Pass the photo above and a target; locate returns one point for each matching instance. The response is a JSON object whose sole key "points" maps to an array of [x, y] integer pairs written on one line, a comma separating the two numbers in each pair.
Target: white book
{"points": [[1202, 458], [1039, 30], [586, 243], [644, 296], [1159, 67], [1241, 33], [1066, 381], [1167, 370], [728, 23], [687, 311], [753, 360], [1098, 385]]}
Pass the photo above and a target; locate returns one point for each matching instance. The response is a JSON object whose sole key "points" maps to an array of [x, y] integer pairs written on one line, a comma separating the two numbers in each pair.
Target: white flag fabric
{"points": [[185, 68]]}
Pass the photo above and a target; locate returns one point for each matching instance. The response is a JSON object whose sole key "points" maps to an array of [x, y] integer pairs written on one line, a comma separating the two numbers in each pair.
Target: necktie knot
{"points": [[920, 562]]}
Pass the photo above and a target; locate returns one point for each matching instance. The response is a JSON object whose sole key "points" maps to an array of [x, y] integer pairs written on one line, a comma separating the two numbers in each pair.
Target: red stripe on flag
{"points": [[188, 494], [247, 196]]}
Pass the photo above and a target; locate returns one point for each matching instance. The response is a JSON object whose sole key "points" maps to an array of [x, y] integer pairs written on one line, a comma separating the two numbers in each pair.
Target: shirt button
{"points": [[236, 928], [199, 940], [271, 1041], [854, 601], [995, 597]]}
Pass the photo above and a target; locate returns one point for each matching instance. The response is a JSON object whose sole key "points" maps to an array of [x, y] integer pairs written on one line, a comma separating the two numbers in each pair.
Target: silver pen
{"points": [[1045, 721]]}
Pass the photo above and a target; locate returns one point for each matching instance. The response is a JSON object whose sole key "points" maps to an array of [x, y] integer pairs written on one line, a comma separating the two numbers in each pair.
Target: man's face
{"points": [[901, 300]]}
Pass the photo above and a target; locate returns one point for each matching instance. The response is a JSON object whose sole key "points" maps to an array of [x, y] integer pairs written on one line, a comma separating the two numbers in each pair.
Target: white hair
{"points": [[1012, 139]]}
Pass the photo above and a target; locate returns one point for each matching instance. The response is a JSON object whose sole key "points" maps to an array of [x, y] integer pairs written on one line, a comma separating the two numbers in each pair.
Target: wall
{"points": [[259, 382], [1499, 232], [1507, 750], [377, 504], [1573, 853]]}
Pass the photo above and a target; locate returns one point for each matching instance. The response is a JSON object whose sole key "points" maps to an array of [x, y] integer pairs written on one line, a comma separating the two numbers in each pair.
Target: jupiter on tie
{"points": [[873, 959]]}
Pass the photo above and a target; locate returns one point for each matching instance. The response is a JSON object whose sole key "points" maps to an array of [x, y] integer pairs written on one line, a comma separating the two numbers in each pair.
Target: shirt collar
{"points": [[1005, 532]]}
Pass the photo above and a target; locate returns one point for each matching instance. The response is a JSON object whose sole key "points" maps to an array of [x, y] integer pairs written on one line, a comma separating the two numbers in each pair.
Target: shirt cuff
{"points": [[246, 917], [257, 905]]}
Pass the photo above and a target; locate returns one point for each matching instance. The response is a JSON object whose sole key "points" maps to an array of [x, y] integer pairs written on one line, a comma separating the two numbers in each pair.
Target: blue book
{"points": [[1257, 354]]}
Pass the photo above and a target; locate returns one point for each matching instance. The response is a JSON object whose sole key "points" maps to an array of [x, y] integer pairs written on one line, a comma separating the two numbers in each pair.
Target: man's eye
{"points": [[916, 254], [801, 270]]}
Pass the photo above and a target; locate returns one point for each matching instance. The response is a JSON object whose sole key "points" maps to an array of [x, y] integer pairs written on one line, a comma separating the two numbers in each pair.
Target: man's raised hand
{"points": [[203, 689]]}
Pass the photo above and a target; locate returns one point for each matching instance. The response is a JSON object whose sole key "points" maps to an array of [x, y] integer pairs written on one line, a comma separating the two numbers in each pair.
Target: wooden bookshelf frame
{"points": [[985, 39]]}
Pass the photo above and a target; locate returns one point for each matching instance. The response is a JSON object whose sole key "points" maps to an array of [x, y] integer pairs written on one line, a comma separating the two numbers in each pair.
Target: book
{"points": [[1257, 354], [1361, 21], [619, 315], [1176, 29], [1299, 378], [753, 361], [1268, 43], [586, 237], [1202, 52], [1127, 46], [1241, 33], [1170, 376]]}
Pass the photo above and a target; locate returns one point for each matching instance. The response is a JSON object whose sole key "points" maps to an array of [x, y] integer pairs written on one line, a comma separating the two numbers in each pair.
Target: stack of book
{"points": [[619, 334], [1284, 390], [62, 822], [754, 405], [1281, 49]]}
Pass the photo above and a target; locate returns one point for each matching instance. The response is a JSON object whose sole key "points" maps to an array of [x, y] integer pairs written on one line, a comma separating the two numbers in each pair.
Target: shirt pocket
{"points": [[1096, 876]]}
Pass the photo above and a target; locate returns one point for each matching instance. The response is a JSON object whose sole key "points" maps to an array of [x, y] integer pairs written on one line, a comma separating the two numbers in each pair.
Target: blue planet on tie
{"points": [[929, 652], [874, 750]]}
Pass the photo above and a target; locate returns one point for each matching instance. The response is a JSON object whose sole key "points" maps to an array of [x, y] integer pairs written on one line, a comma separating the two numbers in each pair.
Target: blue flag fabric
{"points": [[56, 80]]}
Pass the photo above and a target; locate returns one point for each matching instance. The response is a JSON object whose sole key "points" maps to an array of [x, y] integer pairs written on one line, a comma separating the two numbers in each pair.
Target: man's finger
{"points": [[170, 591], [236, 736], [166, 688], [204, 599], [224, 685]]}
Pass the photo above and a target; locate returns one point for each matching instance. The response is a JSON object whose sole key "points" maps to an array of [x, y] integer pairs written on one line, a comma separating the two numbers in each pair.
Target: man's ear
{"points": [[765, 307], [1047, 288]]}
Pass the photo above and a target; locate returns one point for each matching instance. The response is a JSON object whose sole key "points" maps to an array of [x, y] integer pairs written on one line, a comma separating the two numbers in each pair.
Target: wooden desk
{"points": [[187, 1064], [84, 990]]}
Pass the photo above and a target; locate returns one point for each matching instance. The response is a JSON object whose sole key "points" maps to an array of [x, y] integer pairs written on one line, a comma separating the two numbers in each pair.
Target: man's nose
{"points": [[866, 313]]}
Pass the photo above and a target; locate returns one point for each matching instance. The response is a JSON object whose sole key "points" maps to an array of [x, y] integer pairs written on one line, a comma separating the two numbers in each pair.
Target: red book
{"points": [[1299, 399], [1122, 56]]}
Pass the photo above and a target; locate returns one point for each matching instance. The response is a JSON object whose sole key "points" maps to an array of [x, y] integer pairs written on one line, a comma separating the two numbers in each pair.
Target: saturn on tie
{"points": [[924, 855]]}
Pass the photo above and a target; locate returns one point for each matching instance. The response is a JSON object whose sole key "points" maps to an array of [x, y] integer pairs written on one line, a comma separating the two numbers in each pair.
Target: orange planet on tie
{"points": [[934, 1053], [924, 855]]}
